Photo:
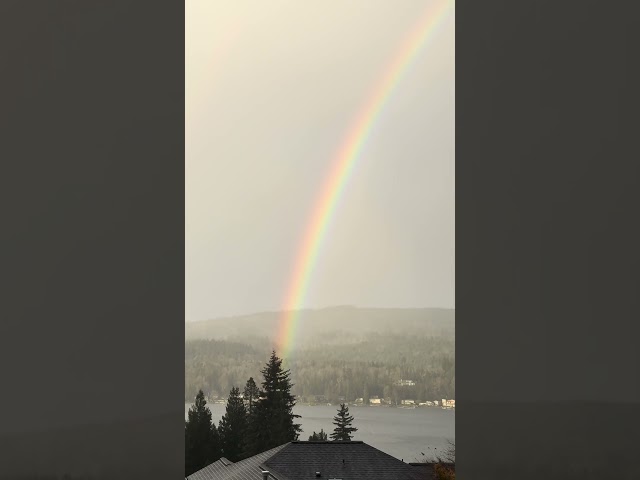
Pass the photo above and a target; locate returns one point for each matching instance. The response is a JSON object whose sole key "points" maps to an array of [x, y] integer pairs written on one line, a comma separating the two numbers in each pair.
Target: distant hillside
{"points": [[324, 324]]}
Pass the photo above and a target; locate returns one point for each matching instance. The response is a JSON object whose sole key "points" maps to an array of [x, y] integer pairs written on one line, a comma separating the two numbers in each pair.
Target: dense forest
{"points": [[341, 354], [338, 371], [256, 420]]}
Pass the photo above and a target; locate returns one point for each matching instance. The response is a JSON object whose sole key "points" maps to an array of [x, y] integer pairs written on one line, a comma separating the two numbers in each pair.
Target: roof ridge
{"points": [[388, 455], [327, 441]]}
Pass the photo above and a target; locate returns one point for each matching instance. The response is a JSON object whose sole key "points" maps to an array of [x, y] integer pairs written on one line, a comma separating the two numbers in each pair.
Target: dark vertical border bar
{"points": [[547, 241], [92, 222]]}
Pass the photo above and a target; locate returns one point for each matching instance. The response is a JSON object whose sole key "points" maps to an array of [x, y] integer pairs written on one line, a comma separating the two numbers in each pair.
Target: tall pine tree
{"points": [[272, 422], [201, 446], [233, 427], [343, 421], [251, 395]]}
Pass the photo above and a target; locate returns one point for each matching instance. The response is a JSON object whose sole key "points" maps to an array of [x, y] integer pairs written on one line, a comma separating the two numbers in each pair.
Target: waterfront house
{"points": [[405, 383]]}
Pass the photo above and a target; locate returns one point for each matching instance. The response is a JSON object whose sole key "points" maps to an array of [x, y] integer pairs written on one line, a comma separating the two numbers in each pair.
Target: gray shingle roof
{"points": [[301, 461], [338, 460], [247, 469]]}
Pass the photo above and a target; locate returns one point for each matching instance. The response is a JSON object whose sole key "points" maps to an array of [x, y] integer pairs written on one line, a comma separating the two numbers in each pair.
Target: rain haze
{"points": [[272, 91]]}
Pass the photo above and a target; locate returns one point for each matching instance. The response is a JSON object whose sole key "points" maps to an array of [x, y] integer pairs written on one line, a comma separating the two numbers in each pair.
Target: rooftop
{"points": [[247, 469], [337, 460], [326, 460]]}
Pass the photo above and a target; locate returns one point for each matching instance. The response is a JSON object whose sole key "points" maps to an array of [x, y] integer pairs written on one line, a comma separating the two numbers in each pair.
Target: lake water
{"points": [[401, 432]]}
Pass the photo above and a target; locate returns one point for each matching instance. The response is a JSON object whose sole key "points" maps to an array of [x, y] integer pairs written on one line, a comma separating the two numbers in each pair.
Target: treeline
{"points": [[215, 366], [256, 420], [335, 372]]}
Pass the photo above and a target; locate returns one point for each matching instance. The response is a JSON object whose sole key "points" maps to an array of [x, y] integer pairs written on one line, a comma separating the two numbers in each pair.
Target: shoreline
{"points": [[302, 404]]}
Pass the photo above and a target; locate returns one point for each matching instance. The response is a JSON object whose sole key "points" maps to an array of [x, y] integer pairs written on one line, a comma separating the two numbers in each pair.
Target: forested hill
{"points": [[330, 325], [369, 367], [340, 352]]}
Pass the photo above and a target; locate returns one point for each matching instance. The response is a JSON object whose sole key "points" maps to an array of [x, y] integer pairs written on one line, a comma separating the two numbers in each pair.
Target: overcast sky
{"points": [[272, 89]]}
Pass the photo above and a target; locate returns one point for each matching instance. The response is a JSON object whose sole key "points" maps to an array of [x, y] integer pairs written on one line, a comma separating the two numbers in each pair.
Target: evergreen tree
{"points": [[272, 422], [201, 446], [251, 395], [216, 443], [342, 421], [318, 437], [233, 427]]}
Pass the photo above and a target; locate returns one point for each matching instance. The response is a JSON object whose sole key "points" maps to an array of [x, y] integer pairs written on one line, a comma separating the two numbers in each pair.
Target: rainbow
{"points": [[343, 165]]}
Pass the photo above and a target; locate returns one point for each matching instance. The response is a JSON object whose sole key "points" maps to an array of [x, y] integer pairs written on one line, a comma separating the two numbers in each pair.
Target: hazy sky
{"points": [[271, 91]]}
